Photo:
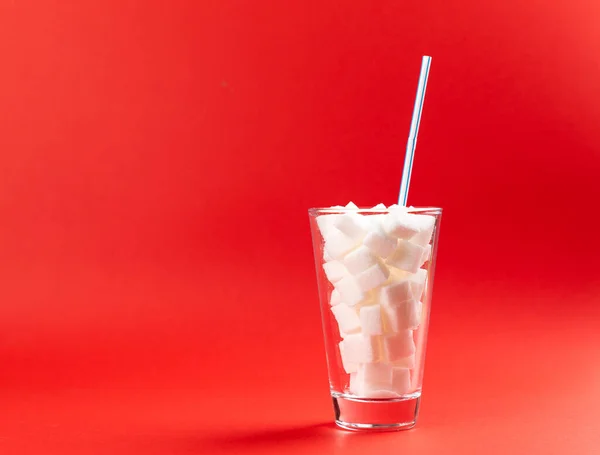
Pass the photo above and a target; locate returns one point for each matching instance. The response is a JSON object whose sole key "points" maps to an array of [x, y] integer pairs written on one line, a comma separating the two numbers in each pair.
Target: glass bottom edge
{"points": [[363, 414]]}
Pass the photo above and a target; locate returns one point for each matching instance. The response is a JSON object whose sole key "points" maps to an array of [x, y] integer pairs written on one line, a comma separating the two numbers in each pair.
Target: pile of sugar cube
{"points": [[375, 264]]}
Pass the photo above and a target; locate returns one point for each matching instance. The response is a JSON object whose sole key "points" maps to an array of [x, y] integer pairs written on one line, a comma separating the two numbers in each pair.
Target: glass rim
{"points": [[330, 210]]}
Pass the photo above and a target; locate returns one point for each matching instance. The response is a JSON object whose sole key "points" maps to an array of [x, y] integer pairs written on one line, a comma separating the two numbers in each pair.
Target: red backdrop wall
{"points": [[157, 160]]}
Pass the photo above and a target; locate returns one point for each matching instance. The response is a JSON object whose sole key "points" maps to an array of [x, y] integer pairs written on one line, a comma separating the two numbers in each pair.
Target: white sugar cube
{"points": [[420, 276], [353, 385], [401, 316], [353, 225], [373, 277], [372, 380], [400, 224], [375, 222], [379, 243], [407, 256], [347, 319], [397, 292], [425, 224], [325, 223], [359, 348], [359, 260], [379, 374], [401, 380], [418, 283], [371, 322], [398, 275], [349, 367], [335, 271], [403, 286], [350, 291], [335, 298], [338, 244], [406, 362], [426, 255], [398, 345]]}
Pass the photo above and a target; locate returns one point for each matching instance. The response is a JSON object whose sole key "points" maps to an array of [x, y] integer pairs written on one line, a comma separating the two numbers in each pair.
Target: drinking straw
{"points": [[414, 131]]}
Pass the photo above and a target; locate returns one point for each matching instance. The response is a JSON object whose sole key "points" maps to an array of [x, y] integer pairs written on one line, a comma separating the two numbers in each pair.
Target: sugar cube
{"points": [[400, 224], [347, 319], [372, 380], [418, 283], [401, 316], [426, 255], [338, 244], [379, 243], [353, 385], [349, 367], [406, 362], [325, 223], [373, 277], [359, 260], [371, 320], [397, 292], [350, 291], [376, 222], [397, 274], [335, 271], [359, 348], [425, 224], [335, 298], [407, 256], [398, 345], [353, 225], [401, 380]]}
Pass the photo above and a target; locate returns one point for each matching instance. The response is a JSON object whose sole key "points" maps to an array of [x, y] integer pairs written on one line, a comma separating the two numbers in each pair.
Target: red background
{"points": [[157, 290]]}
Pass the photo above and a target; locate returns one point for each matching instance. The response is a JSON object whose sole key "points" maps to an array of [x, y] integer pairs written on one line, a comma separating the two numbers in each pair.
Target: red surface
{"points": [[157, 291]]}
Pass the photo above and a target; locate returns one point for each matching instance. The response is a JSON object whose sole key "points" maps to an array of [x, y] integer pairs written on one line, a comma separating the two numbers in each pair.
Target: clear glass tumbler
{"points": [[375, 270]]}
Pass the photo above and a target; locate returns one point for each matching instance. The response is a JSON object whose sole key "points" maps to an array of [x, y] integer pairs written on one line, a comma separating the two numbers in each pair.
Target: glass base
{"points": [[371, 414]]}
